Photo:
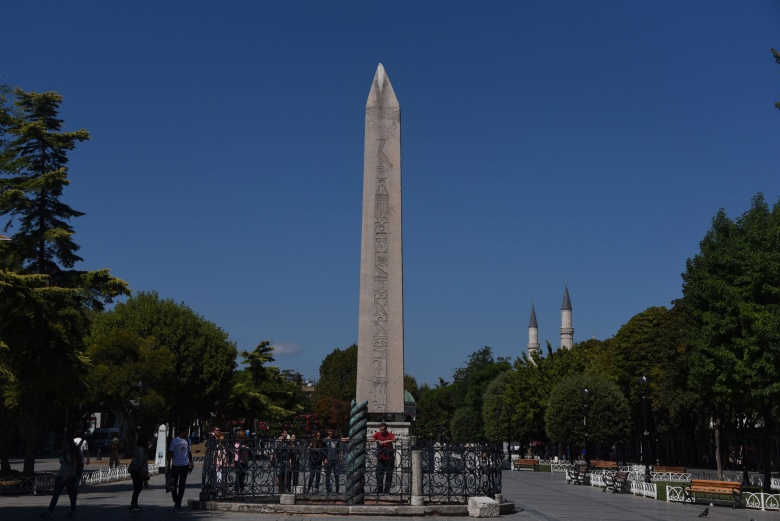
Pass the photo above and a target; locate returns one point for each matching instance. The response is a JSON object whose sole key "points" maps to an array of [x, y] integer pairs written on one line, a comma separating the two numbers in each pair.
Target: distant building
{"points": [[308, 387]]}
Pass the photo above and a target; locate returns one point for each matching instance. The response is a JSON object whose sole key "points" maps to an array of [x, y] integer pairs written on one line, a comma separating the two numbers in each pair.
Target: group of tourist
{"points": [[323, 454]]}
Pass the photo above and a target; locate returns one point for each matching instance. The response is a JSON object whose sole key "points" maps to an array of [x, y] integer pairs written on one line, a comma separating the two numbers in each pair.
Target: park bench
{"points": [[666, 469], [604, 465], [531, 464], [17, 485], [617, 482], [577, 474], [713, 490]]}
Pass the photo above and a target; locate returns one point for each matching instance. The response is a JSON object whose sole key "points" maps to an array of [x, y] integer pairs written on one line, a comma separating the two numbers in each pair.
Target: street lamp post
{"points": [[656, 459], [140, 402], [584, 394], [645, 433], [509, 432], [741, 421]]}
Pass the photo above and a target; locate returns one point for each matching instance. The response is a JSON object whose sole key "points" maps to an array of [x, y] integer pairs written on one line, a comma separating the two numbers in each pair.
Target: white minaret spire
{"points": [[567, 331], [533, 335]]}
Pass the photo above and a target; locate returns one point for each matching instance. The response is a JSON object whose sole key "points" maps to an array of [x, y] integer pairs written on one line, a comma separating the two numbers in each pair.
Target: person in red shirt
{"points": [[385, 458]]}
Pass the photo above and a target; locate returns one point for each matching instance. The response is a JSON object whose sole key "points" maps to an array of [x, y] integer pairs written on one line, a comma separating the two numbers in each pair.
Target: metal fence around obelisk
{"points": [[356, 453]]}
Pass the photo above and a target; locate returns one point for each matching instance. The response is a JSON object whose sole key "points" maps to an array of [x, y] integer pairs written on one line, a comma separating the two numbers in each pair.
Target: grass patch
{"points": [[660, 487]]}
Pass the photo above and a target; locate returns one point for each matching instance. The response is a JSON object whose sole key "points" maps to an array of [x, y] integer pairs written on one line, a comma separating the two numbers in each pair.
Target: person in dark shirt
{"points": [[316, 459]]}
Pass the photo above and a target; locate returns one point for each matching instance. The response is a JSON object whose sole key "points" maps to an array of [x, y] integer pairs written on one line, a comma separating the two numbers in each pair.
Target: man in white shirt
{"points": [[179, 464]]}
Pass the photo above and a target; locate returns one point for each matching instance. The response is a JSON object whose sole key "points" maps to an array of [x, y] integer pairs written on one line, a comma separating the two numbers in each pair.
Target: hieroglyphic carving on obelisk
{"points": [[380, 374]]}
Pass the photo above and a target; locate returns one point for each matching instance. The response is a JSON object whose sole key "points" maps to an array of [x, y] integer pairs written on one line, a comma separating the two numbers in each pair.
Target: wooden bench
{"points": [[617, 482], [604, 465], [532, 464], [17, 485], [577, 474], [711, 489], [666, 469]]}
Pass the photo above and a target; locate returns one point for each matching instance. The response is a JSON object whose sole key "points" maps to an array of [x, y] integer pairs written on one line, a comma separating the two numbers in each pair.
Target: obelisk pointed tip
{"points": [[380, 77], [381, 93]]}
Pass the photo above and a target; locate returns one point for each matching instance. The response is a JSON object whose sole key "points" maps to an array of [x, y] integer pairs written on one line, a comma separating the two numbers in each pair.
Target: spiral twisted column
{"points": [[356, 453]]}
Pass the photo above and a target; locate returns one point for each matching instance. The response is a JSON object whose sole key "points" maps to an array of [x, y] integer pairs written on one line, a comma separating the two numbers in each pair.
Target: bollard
{"points": [[418, 499]]}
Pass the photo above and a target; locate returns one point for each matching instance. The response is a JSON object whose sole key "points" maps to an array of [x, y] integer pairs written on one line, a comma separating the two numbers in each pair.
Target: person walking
{"points": [[179, 465], [70, 460], [139, 470], [385, 458], [113, 453], [83, 448]]}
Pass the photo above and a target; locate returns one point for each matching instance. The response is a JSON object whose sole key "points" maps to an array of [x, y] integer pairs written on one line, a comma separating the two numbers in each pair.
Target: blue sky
{"points": [[543, 143]]}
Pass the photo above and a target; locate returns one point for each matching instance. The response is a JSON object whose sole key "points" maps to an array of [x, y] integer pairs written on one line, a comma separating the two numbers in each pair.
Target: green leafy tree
{"points": [[435, 410], [498, 414], [338, 375], [51, 307], [466, 425], [608, 419], [469, 385], [652, 344], [262, 391], [442, 410], [336, 387], [530, 384], [43, 328], [731, 293], [204, 357], [777, 61], [132, 376], [410, 385]]}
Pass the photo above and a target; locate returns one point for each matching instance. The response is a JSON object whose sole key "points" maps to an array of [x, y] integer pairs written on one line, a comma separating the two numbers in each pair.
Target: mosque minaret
{"points": [[533, 335], [567, 331]]}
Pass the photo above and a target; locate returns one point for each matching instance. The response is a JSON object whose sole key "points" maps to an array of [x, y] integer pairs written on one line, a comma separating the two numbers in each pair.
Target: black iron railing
{"points": [[259, 470]]}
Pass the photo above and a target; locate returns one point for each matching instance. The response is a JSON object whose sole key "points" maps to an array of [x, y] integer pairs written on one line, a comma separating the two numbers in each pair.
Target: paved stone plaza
{"points": [[536, 495]]}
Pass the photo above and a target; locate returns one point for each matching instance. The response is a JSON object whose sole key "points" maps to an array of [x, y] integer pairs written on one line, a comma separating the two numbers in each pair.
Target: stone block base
{"points": [[483, 506]]}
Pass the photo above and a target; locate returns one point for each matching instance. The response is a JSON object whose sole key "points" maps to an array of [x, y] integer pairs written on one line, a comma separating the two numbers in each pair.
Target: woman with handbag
{"points": [[139, 470]]}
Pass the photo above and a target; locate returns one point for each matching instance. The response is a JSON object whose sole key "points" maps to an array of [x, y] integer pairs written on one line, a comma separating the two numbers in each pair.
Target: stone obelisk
{"points": [[380, 371]]}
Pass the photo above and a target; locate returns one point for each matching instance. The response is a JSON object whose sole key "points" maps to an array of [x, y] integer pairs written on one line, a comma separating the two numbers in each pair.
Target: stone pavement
{"points": [[536, 495]]}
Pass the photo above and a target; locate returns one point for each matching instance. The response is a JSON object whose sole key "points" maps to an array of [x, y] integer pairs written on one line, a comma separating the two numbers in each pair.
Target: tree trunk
{"points": [[718, 459], [766, 456], [30, 442], [5, 442]]}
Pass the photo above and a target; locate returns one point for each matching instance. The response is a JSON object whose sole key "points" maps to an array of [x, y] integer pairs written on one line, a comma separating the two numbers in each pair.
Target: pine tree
{"points": [[45, 302], [35, 160]]}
